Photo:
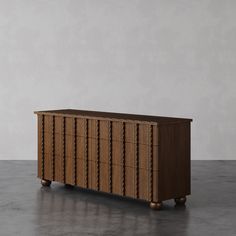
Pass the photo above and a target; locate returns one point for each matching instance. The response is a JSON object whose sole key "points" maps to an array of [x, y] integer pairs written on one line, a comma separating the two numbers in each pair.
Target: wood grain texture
{"points": [[140, 159], [53, 148], [40, 146], [75, 151], [174, 161], [86, 153], [114, 116], [58, 149], [63, 147], [97, 155]]}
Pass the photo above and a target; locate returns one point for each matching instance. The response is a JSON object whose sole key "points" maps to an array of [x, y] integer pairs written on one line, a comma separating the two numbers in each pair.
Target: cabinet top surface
{"points": [[113, 115]]}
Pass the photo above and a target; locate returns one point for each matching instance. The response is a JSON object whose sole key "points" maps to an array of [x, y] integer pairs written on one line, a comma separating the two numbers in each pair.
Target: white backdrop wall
{"points": [[173, 58]]}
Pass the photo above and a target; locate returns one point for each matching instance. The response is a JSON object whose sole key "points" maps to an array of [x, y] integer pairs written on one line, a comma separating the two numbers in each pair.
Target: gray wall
{"points": [[174, 58]]}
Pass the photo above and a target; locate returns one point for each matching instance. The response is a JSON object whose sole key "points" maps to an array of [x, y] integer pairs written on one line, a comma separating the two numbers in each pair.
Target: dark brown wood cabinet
{"points": [[137, 156]]}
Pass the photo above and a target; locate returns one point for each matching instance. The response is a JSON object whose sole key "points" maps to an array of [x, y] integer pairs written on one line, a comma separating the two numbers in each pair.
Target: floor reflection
{"points": [[69, 211], [28, 210]]}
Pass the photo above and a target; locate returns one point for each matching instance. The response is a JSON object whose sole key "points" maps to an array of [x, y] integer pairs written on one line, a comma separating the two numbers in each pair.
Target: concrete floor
{"points": [[27, 209]]}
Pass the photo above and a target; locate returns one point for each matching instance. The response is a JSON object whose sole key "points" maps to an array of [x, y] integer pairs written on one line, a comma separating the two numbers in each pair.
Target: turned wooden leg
{"points": [[180, 201], [156, 205], [45, 182]]}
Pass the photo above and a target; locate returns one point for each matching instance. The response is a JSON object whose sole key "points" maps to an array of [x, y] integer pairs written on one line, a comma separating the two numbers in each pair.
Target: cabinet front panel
{"points": [[104, 177], [80, 167], [108, 156], [69, 170], [58, 168]]}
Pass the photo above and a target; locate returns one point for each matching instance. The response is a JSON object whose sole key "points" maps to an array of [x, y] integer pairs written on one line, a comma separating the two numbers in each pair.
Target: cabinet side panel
{"points": [[40, 145], [174, 161]]}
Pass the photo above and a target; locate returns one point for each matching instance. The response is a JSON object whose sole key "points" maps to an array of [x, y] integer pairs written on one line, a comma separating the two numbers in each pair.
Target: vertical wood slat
{"points": [[53, 148], [137, 161], [42, 146], [63, 149], [123, 158], [151, 163], [86, 175], [98, 155], [75, 152], [110, 156]]}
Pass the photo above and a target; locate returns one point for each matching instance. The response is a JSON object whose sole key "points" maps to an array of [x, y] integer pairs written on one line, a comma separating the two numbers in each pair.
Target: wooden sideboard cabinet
{"points": [[136, 156]]}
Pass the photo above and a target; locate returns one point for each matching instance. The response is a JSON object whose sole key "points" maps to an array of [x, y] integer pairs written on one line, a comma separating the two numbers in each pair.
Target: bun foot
{"points": [[180, 201], [45, 182], [156, 205]]}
